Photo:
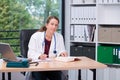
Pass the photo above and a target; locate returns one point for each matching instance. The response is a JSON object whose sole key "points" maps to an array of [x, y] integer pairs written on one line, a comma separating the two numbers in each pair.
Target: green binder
{"points": [[105, 54], [118, 55]]}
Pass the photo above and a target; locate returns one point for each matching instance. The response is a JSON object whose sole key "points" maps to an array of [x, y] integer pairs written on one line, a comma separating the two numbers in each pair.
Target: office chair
{"points": [[25, 35], [24, 40]]}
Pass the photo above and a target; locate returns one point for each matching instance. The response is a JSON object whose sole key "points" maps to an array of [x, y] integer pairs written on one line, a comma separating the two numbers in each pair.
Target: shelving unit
{"points": [[94, 24], [82, 25], [108, 32]]}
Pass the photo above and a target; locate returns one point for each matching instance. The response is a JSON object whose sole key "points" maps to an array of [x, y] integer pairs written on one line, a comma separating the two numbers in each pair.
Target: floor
{"points": [[14, 76], [20, 76]]}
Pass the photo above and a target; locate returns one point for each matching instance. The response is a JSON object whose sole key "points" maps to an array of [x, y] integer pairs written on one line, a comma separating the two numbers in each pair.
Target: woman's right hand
{"points": [[43, 56]]}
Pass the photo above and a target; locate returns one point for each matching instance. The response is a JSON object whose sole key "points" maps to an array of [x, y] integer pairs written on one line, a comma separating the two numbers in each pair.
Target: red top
{"points": [[47, 46]]}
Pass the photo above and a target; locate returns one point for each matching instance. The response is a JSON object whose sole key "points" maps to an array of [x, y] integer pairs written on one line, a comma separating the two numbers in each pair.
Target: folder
{"points": [[105, 54], [89, 51], [72, 20], [76, 33], [76, 51], [114, 55], [118, 56], [72, 32]]}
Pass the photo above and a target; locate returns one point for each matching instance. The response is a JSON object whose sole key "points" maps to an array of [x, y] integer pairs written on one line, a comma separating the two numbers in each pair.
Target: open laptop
{"points": [[7, 53]]}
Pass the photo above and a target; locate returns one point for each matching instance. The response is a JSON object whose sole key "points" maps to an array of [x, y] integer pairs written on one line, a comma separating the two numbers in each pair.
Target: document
{"points": [[40, 60], [1, 61], [63, 59], [67, 59]]}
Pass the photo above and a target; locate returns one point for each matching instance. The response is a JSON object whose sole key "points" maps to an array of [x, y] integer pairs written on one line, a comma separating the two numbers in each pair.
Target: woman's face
{"points": [[52, 25]]}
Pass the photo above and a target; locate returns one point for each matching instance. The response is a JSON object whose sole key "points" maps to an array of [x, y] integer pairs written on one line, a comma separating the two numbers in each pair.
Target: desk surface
{"points": [[83, 63]]}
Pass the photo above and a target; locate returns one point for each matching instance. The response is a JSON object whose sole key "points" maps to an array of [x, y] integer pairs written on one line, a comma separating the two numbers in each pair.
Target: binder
{"points": [[80, 15], [105, 54], [83, 51], [76, 14], [77, 36], [76, 51], [72, 32], [76, 1], [118, 56], [89, 52], [83, 74], [94, 14], [89, 1], [72, 15], [99, 1], [112, 74], [82, 33], [114, 55], [86, 33], [92, 33]]}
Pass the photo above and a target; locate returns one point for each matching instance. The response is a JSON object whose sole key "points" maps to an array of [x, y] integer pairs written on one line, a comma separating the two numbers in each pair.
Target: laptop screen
{"points": [[7, 52]]}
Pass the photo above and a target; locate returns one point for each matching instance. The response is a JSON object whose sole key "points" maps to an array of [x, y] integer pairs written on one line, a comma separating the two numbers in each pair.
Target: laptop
{"points": [[7, 53]]}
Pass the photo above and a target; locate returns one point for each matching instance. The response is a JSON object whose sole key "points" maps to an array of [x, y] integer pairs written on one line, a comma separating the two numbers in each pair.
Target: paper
{"points": [[1, 61], [66, 59], [40, 60]]}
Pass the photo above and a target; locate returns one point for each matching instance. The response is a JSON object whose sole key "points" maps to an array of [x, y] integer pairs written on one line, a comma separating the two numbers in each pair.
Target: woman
{"points": [[45, 43]]}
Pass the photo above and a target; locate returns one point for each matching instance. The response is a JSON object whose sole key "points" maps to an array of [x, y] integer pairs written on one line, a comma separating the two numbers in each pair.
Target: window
{"points": [[25, 14]]}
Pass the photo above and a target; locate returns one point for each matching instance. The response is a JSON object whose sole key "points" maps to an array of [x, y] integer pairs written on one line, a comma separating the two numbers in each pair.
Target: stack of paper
{"points": [[1, 61], [66, 59]]}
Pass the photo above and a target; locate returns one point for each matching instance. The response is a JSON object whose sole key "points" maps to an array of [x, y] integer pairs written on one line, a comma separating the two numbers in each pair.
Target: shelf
{"points": [[113, 65], [109, 43], [83, 43], [109, 4], [108, 24], [83, 4], [83, 24]]}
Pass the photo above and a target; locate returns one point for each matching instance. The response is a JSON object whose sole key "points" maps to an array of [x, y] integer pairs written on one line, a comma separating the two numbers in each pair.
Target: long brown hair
{"points": [[43, 28]]}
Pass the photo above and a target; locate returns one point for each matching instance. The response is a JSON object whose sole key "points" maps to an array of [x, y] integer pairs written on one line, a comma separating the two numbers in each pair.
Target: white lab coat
{"points": [[36, 45]]}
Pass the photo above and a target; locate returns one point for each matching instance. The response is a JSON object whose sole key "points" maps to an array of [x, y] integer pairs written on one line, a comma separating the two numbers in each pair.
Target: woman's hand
{"points": [[43, 56], [64, 54]]}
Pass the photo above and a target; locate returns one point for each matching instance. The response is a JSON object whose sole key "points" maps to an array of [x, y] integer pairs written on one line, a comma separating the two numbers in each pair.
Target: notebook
{"points": [[7, 53]]}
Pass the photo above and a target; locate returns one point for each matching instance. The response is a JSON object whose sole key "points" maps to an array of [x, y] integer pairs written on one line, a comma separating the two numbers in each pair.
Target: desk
{"points": [[83, 63]]}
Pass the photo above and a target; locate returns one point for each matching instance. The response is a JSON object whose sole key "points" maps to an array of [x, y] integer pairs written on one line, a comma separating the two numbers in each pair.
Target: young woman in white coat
{"points": [[45, 43]]}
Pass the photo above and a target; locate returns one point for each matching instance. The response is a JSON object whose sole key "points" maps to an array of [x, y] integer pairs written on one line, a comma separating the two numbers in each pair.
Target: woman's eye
{"points": [[52, 23], [56, 25]]}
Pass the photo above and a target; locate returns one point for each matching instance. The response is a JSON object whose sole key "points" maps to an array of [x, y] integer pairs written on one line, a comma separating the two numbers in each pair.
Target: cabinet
{"points": [[95, 24]]}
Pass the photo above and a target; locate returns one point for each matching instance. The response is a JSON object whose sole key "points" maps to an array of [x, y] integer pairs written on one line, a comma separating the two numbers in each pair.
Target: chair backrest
{"points": [[24, 40]]}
